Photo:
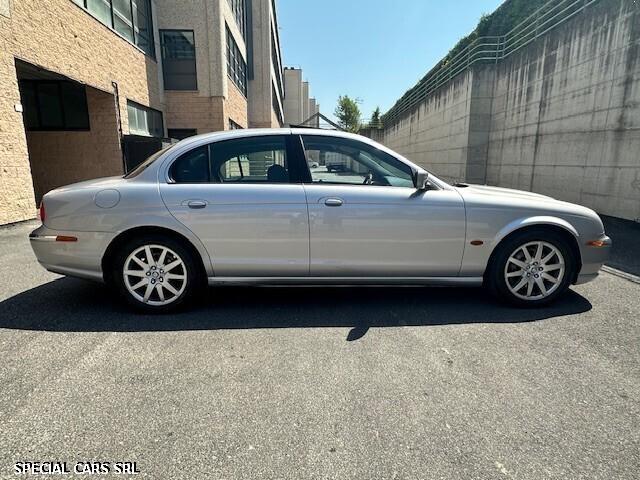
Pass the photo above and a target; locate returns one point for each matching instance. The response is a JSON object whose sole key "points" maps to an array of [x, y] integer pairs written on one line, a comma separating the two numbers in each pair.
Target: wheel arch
{"points": [[558, 225], [125, 236]]}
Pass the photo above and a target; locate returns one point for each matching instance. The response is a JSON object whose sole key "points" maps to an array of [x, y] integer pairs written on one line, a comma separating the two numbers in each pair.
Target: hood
{"points": [[506, 198], [501, 192]]}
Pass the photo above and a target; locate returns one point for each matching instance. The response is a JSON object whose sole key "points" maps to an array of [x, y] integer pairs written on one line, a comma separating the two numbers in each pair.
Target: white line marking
{"points": [[620, 273]]}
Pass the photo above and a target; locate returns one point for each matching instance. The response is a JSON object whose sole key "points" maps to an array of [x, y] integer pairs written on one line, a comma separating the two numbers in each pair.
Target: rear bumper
{"points": [[593, 258], [81, 258]]}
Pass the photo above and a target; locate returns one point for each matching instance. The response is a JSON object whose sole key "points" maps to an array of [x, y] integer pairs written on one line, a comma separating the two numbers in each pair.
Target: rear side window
{"points": [[191, 167], [250, 160]]}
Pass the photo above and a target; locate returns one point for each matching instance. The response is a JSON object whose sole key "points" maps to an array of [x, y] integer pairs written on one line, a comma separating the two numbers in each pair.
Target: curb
{"points": [[12, 225], [621, 274]]}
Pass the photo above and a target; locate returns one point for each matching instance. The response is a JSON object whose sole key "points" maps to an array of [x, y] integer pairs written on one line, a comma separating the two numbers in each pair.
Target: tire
{"points": [[151, 287], [536, 280]]}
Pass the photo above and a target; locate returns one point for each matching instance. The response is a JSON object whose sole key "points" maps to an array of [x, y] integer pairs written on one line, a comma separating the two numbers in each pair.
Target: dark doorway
{"points": [[181, 133], [71, 129], [137, 148]]}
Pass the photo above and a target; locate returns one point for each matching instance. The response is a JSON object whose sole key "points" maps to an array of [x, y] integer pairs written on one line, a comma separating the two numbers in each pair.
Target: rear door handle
{"points": [[333, 202], [196, 204]]}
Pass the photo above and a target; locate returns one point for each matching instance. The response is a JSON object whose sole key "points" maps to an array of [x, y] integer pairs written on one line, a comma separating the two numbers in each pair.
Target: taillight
{"points": [[42, 214]]}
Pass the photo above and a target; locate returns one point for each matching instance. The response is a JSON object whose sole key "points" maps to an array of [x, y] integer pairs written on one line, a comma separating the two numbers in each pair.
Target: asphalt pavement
{"points": [[320, 383]]}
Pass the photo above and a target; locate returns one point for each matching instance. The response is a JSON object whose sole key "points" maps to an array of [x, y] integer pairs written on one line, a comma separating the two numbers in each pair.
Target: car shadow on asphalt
{"points": [[70, 305]]}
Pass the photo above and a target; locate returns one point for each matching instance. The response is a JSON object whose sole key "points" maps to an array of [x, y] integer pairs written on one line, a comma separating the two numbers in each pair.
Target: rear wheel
{"points": [[155, 273], [532, 268]]}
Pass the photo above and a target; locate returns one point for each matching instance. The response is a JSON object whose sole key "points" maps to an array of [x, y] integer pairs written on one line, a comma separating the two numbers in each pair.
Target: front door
{"points": [[240, 199], [367, 218]]}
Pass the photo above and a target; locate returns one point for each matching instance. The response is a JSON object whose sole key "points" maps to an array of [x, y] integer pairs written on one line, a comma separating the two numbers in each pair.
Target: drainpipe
{"points": [[116, 97]]}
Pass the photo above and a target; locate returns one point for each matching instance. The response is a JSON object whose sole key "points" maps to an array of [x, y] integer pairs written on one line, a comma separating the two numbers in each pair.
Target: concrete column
{"points": [[480, 115], [293, 96], [305, 101]]}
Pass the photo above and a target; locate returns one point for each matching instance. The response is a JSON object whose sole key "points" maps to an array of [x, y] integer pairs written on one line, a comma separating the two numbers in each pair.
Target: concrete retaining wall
{"points": [[561, 117], [435, 135]]}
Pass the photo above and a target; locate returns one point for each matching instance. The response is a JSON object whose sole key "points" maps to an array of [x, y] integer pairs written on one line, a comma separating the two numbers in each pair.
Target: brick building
{"points": [[88, 86]]}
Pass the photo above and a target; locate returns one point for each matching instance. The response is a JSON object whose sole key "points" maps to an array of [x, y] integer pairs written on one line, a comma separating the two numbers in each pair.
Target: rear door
{"points": [[368, 220], [243, 199]]}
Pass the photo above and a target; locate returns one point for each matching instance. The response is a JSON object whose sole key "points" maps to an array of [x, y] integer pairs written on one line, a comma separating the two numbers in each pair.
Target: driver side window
{"points": [[345, 161]]}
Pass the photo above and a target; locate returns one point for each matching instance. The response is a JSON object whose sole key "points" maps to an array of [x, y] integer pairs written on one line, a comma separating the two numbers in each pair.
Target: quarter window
{"points": [[191, 167], [345, 161], [178, 59]]}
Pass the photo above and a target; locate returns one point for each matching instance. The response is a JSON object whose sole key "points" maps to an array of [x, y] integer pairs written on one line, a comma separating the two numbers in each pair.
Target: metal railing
{"points": [[489, 49]]}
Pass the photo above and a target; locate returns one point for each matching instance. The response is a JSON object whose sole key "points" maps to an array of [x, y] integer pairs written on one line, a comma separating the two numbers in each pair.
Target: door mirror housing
{"points": [[421, 180]]}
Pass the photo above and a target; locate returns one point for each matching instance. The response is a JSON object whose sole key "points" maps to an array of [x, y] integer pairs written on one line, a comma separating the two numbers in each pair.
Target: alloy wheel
{"points": [[155, 275], [534, 270]]}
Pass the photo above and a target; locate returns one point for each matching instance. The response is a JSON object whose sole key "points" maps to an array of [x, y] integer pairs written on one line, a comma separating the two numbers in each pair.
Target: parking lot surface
{"points": [[296, 383]]}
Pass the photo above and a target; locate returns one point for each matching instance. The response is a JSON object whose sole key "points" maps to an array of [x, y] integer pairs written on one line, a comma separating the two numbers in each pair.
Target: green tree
{"points": [[375, 118], [348, 113]]}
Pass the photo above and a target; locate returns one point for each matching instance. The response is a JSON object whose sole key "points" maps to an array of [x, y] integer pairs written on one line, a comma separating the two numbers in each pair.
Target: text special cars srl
{"points": [[268, 207]]}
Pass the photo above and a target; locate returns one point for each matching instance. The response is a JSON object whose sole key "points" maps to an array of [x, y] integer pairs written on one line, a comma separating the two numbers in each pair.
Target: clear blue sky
{"points": [[371, 49]]}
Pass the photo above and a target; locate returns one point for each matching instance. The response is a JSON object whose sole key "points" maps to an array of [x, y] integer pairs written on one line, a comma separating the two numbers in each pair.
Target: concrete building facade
{"points": [[201, 95], [314, 108], [559, 117], [298, 105], [266, 76], [293, 96], [85, 84]]}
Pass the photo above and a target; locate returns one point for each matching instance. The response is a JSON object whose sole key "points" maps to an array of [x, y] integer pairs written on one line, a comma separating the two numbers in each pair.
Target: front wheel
{"points": [[155, 274], [532, 268]]}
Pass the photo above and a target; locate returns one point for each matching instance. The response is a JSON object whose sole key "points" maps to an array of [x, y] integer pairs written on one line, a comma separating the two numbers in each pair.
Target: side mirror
{"points": [[421, 180]]}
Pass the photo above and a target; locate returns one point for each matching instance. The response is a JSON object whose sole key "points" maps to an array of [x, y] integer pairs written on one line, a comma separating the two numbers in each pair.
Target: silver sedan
{"points": [[301, 206]]}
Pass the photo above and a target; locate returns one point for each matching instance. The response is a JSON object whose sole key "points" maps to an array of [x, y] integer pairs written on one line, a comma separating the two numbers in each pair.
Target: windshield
{"points": [[143, 166]]}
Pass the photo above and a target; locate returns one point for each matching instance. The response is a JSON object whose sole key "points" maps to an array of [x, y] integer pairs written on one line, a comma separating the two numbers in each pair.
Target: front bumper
{"points": [[81, 258], [593, 258]]}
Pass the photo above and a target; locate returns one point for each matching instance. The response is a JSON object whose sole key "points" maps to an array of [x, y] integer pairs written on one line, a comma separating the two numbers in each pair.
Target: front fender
{"points": [[491, 226], [531, 221]]}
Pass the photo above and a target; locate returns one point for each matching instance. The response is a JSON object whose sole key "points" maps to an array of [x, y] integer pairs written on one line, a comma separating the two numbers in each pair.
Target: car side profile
{"points": [[268, 206]]}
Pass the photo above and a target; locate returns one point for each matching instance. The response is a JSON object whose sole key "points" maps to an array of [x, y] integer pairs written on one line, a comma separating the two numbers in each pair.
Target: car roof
{"points": [[250, 132], [211, 137]]}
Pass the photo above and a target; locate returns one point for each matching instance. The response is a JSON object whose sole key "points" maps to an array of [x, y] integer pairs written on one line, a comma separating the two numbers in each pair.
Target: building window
{"points": [[181, 133], [234, 126], [130, 18], [277, 65], [178, 59], [276, 105], [239, 9], [144, 120], [236, 65], [54, 105]]}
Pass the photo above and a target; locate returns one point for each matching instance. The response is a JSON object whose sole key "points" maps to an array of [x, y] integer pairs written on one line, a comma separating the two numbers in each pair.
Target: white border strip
{"points": [[620, 273]]}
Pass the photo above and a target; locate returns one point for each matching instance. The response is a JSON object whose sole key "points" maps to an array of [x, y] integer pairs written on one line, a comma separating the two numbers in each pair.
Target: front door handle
{"points": [[333, 202], [196, 204]]}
